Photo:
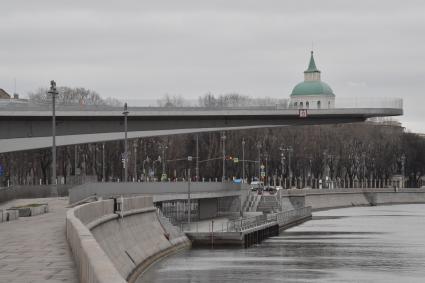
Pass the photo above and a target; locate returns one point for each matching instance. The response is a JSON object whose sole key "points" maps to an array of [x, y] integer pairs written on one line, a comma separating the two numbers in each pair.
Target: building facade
{"points": [[312, 93]]}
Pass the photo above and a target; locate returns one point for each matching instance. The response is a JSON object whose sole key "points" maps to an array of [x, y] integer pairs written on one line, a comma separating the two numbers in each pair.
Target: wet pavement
{"points": [[34, 249]]}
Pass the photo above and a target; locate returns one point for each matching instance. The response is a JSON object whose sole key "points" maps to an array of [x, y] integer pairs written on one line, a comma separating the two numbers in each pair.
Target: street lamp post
{"points": [[163, 147], [282, 164], [243, 160], [403, 169], [125, 113], [135, 160], [53, 92], [289, 149], [223, 139], [266, 175], [189, 179], [103, 163], [259, 160], [197, 158]]}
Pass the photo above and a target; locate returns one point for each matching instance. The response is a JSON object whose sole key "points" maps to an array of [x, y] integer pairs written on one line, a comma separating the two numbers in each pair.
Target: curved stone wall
{"points": [[327, 199], [116, 246]]}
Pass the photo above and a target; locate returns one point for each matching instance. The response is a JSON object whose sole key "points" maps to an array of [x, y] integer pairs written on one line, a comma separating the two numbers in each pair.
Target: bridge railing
{"points": [[340, 102]]}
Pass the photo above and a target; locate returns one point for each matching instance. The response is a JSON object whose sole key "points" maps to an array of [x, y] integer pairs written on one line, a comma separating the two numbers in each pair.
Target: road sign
{"points": [[1, 170], [235, 160], [189, 158], [262, 166], [263, 174], [302, 113]]}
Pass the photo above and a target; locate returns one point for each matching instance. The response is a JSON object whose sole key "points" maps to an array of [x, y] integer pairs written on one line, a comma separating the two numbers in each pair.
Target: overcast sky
{"points": [[145, 49]]}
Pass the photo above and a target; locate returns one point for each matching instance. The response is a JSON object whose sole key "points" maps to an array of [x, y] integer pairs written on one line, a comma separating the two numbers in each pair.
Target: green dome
{"points": [[312, 88]]}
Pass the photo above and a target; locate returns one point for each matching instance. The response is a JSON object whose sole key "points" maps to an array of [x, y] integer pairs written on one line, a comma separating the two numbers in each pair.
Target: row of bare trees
{"points": [[359, 151]]}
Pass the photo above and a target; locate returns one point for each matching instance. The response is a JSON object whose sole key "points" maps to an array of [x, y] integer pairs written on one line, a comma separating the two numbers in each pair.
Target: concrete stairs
{"points": [[252, 202], [269, 204]]}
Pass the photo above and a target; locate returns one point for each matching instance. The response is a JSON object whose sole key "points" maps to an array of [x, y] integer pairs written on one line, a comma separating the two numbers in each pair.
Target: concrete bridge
{"points": [[29, 127]]}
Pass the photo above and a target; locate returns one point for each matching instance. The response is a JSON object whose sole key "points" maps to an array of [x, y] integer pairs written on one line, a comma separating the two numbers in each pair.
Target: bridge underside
{"points": [[20, 130]]}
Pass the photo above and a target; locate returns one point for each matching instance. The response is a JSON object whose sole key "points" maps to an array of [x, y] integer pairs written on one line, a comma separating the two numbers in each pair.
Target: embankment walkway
{"points": [[34, 249]]}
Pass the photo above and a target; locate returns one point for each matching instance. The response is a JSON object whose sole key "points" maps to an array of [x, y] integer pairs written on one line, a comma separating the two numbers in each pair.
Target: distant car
{"points": [[256, 185], [269, 188]]}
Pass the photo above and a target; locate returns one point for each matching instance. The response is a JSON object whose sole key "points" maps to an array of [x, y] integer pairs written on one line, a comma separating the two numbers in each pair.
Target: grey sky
{"points": [[145, 49]]}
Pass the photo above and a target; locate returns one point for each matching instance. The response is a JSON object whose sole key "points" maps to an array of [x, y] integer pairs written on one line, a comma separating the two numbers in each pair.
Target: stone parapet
{"points": [[112, 245], [8, 215], [334, 198]]}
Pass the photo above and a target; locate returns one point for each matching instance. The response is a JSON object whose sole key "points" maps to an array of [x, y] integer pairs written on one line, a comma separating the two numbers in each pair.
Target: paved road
{"points": [[34, 249]]}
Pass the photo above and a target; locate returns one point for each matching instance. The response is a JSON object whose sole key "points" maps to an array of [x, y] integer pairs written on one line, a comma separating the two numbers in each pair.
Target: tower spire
{"points": [[312, 73], [312, 65]]}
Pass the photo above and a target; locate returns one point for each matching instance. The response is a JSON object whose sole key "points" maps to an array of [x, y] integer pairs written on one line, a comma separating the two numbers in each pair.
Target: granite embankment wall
{"points": [[116, 240], [327, 199]]}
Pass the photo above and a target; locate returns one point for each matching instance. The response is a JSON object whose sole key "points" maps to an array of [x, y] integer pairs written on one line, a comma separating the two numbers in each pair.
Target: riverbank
{"points": [[356, 244], [127, 235], [340, 198], [114, 240]]}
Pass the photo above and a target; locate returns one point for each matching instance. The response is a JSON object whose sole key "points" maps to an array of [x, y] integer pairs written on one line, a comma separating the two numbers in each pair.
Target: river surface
{"points": [[359, 244]]}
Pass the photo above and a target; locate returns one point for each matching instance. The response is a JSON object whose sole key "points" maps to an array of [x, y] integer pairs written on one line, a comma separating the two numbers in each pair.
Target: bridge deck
{"points": [[34, 249]]}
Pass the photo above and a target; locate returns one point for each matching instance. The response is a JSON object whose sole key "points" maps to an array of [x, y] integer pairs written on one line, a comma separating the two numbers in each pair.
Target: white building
{"points": [[312, 92]]}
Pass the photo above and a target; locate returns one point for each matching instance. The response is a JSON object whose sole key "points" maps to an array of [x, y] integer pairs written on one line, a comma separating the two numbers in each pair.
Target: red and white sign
{"points": [[302, 113]]}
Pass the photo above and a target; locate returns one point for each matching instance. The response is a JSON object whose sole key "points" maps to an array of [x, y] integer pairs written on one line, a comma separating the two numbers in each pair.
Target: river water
{"points": [[359, 244]]}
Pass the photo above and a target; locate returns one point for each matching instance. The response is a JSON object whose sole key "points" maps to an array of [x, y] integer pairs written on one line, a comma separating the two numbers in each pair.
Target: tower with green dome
{"points": [[312, 92]]}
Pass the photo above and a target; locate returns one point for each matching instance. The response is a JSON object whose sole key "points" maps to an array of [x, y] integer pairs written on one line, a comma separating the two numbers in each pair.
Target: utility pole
{"points": [[135, 160], [266, 179], [125, 113], [243, 160], [223, 139], [197, 158], [282, 163], [259, 160], [75, 159], [403, 169], [189, 210], [163, 147], [289, 149], [103, 163], [53, 92]]}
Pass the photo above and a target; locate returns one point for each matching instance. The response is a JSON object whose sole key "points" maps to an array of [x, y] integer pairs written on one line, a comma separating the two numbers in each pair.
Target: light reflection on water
{"points": [[359, 244]]}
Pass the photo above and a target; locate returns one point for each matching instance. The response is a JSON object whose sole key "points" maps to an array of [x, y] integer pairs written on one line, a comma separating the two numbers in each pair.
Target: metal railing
{"points": [[281, 218], [340, 102]]}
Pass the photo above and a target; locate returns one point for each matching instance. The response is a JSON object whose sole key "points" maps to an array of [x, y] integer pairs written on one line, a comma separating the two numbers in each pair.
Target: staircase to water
{"points": [[269, 204]]}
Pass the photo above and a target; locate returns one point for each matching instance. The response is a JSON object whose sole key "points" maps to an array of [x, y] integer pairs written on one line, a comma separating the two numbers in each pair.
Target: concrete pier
{"points": [[246, 231]]}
